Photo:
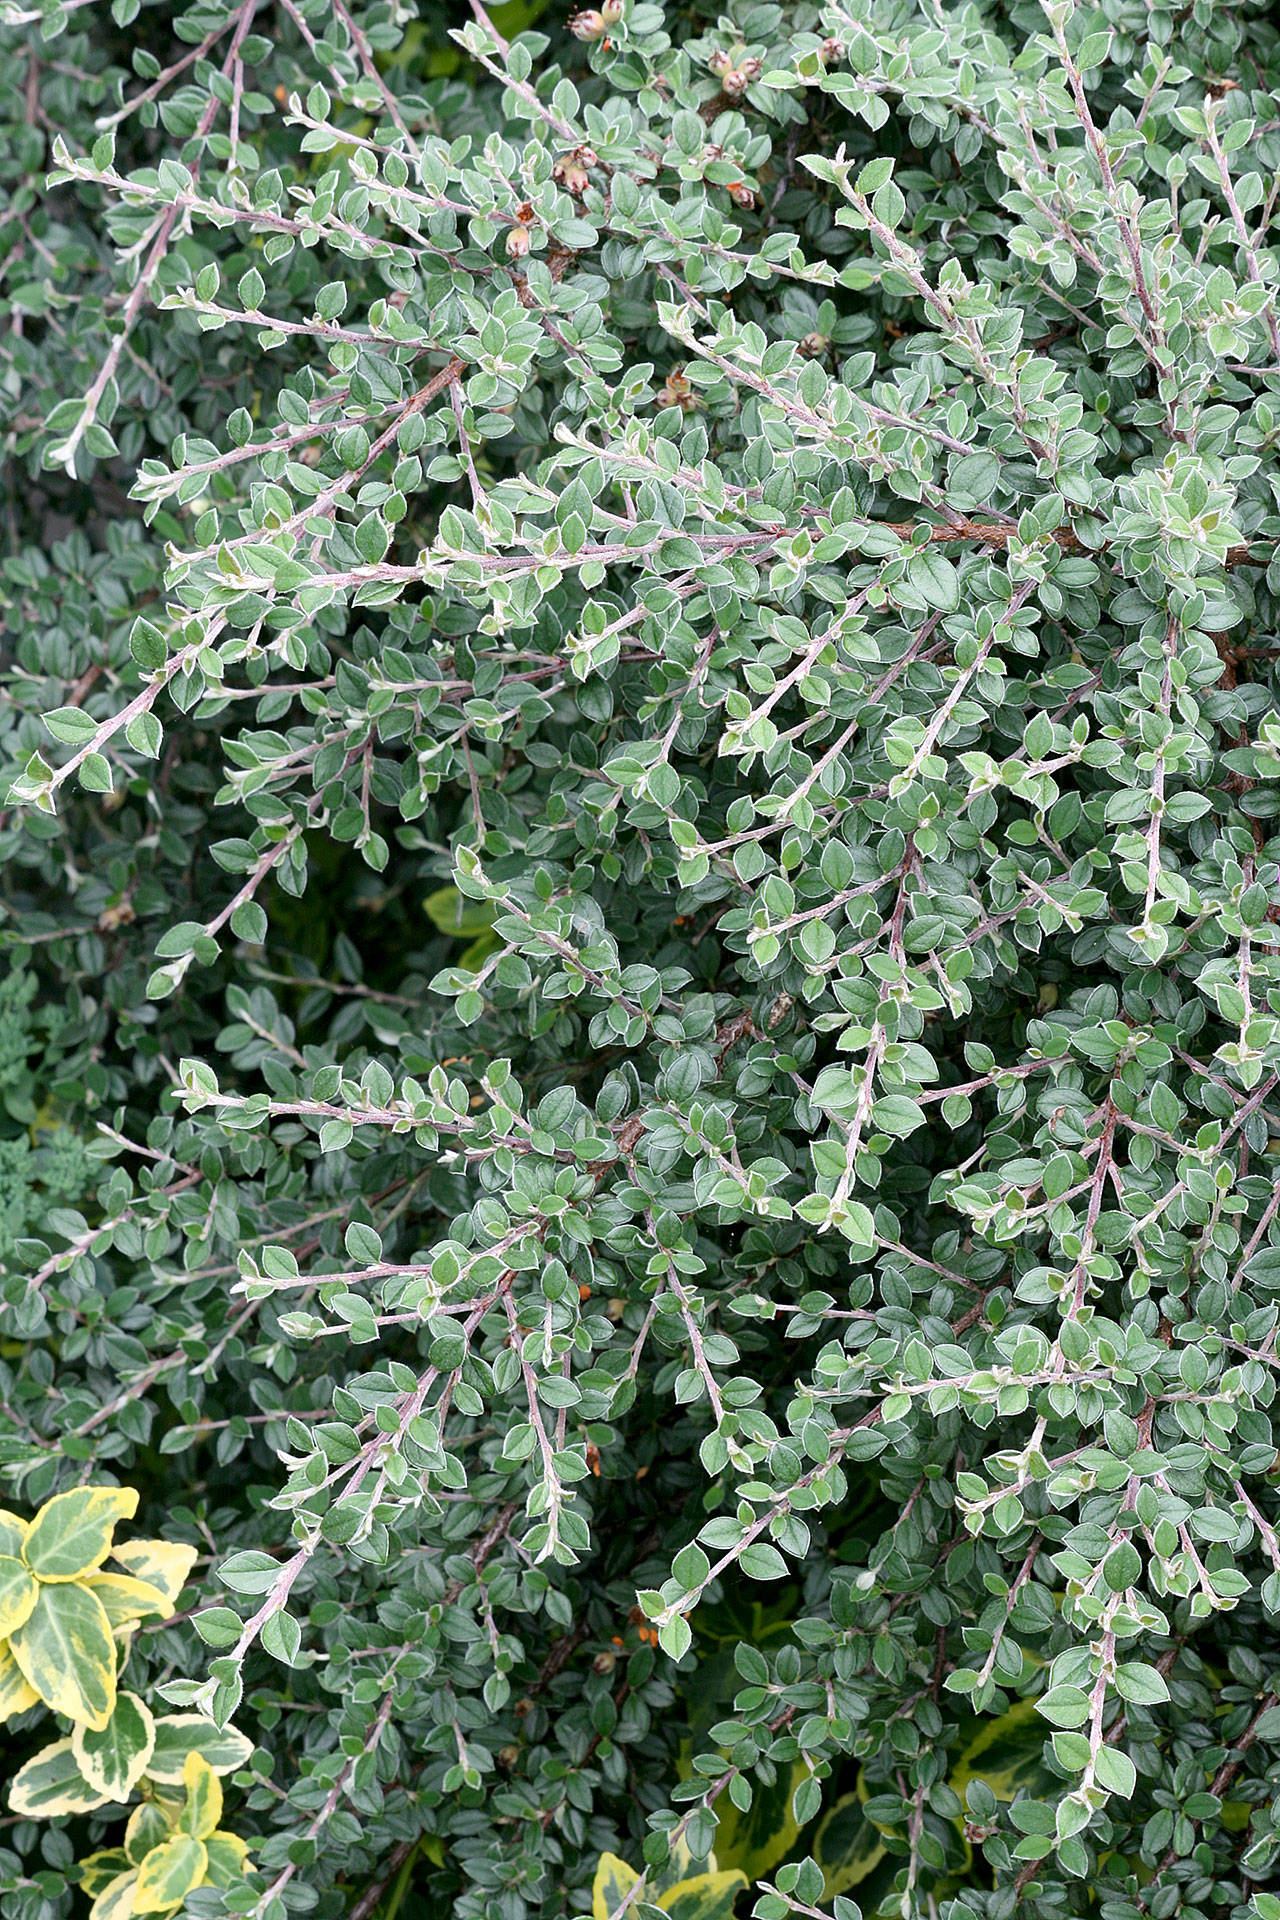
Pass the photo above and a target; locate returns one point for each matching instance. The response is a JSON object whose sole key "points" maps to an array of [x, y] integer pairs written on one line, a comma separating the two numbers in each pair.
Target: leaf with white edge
{"points": [[71, 1534], [115, 1902], [169, 1873], [97, 1870], [16, 1694], [66, 1653], [18, 1592], [51, 1784], [113, 1759], [613, 1882], [160, 1563], [180, 1734], [203, 1808]]}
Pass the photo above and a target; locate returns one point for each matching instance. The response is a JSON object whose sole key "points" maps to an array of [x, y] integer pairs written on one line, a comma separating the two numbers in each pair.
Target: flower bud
{"points": [[518, 242], [814, 344], [735, 83], [611, 11], [751, 69], [719, 62], [587, 25], [831, 53], [742, 195]]}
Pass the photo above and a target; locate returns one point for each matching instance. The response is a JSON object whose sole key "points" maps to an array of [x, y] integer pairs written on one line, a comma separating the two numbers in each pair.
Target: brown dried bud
{"points": [[587, 25], [508, 1756], [604, 1662], [518, 242]]}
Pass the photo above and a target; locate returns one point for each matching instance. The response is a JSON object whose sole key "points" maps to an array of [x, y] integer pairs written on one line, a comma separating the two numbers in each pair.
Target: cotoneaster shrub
{"points": [[640, 1027]]}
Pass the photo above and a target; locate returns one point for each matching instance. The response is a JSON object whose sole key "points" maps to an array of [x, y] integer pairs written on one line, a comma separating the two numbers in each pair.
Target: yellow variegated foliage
{"points": [[51, 1784], [59, 1614], [71, 1534], [115, 1902], [16, 1694], [169, 1873], [66, 1652], [126, 1600], [159, 1563], [13, 1532], [203, 1808], [97, 1870], [708, 1895], [114, 1759]]}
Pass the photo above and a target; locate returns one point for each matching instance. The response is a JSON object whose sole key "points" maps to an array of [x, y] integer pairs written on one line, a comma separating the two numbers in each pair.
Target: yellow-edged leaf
{"points": [[113, 1759], [52, 1784], [180, 1734], [708, 1896], [17, 1593], [846, 1846], [613, 1882], [115, 1902], [12, 1532], [682, 1864], [452, 913], [98, 1869], [168, 1874], [203, 1809], [71, 1534], [228, 1858], [15, 1694], [158, 1562], [148, 1826], [1007, 1752], [126, 1599], [756, 1840], [66, 1653]]}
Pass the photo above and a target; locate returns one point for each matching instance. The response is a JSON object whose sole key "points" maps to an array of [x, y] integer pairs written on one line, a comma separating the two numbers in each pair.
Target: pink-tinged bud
{"points": [[735, 83], [588, 157], [518, 242], [719, 62], [751, 69], [576, 181], [611, 11], [831, 53], [813, 344], [742, 195], [588, 25]]}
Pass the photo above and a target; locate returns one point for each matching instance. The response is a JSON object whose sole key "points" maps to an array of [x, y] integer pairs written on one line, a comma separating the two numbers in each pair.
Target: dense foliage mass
{"points": [[640, 995]]}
